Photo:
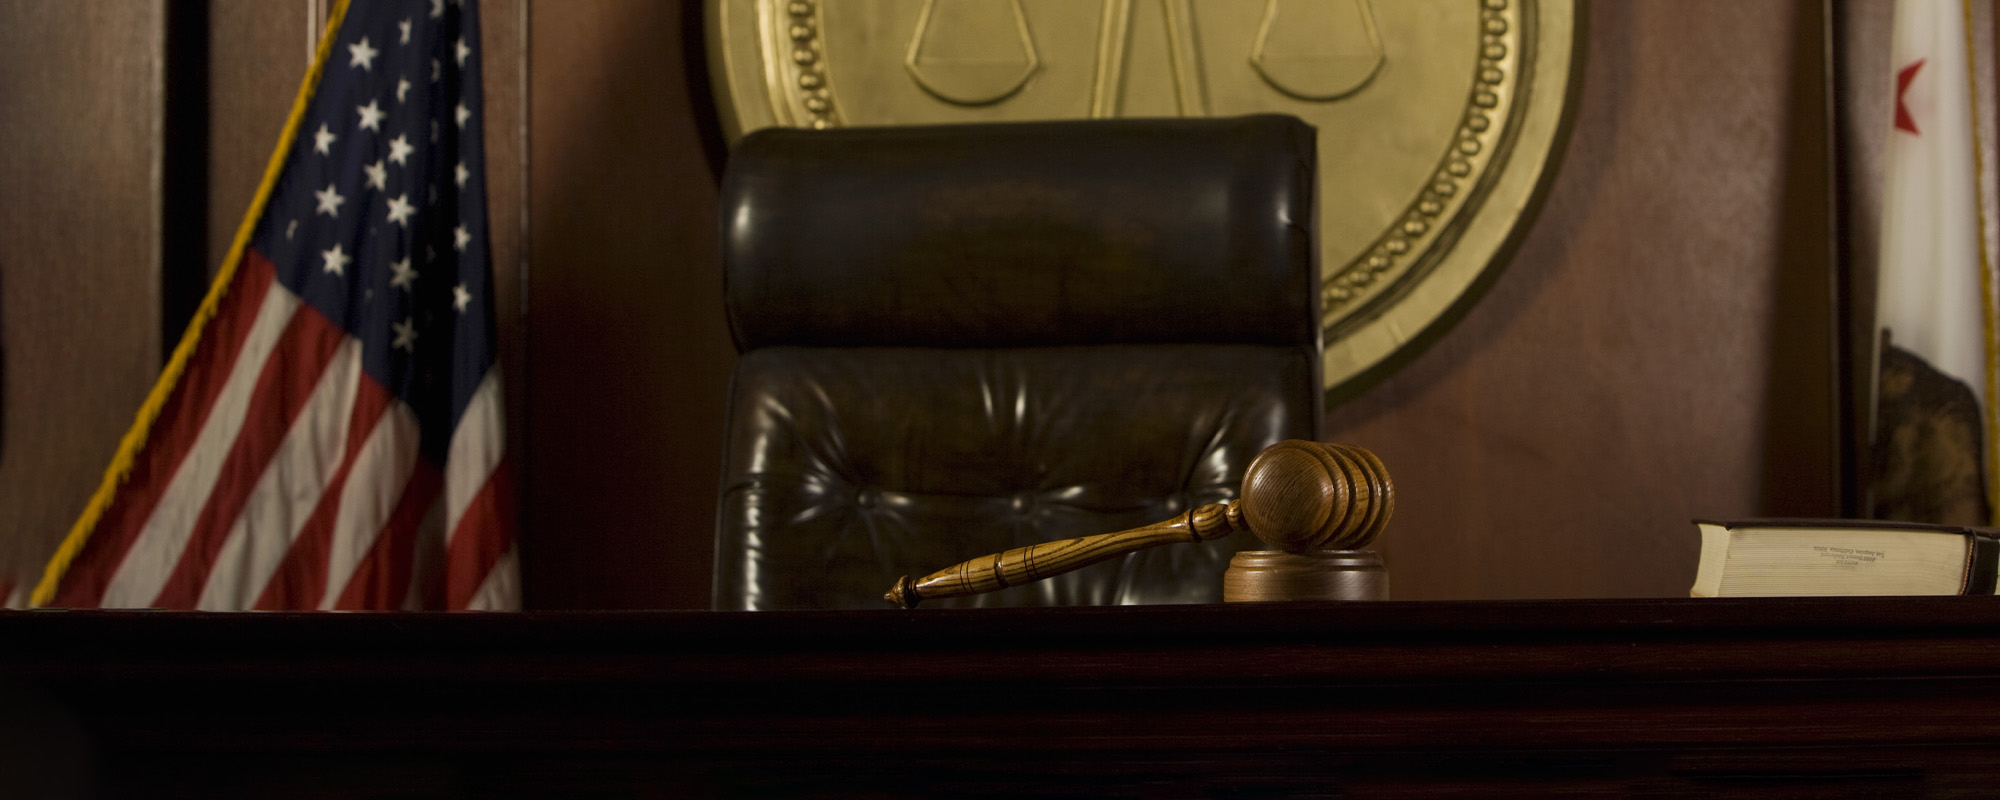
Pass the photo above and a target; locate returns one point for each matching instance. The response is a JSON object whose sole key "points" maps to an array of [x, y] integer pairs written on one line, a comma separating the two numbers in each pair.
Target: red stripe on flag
{"points": [[286, 383], [484, 533], [382, 579], [170, 438], [300, 580]]}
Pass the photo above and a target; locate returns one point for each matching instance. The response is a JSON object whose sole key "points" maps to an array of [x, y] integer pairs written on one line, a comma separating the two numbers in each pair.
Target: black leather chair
{"points": [[959, 340]]}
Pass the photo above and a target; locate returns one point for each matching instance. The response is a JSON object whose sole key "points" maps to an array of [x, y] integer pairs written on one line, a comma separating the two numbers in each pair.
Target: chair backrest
{"points": [[962, 339]]}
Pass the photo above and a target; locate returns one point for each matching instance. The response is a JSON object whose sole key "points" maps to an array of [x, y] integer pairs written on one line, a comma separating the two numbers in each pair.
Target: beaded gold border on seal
{"points": [[1478, 138]]}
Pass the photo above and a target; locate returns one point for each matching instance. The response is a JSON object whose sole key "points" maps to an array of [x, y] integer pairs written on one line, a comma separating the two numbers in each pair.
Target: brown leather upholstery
{"points": [[962, 339]]}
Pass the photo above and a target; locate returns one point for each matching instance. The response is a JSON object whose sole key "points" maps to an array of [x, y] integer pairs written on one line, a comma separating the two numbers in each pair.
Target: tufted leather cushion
{"points": [[959, 340], [838, 485]]}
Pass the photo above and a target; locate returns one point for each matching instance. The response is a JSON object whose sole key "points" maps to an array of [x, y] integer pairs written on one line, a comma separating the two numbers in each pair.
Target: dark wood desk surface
{"points": [[1823, 697]]}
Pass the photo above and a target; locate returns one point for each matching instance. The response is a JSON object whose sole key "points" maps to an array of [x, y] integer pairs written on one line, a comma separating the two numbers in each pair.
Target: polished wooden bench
{"points": [[1821, 697]]}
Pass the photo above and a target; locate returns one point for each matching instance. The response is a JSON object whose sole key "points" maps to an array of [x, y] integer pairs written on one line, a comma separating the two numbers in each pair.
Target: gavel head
{"points": [[1300, 496]]}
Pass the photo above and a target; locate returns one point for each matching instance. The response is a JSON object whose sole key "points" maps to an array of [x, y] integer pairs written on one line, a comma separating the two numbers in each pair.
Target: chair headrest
{"points": [[1024, 234]]}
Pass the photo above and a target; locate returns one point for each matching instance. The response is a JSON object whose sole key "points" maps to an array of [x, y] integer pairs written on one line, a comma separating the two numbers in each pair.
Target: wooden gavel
{"points": [[1297, 496]]}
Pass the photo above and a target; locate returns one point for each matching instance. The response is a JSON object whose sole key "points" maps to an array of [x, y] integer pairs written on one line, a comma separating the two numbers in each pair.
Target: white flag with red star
{"points": [[1934, 300]]}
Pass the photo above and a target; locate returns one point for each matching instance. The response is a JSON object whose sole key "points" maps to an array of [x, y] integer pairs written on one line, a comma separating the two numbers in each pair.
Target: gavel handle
{"points": [[1035, 562]]}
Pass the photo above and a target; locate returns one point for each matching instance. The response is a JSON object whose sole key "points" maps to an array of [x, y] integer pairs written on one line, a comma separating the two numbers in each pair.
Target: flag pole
{"points": [[1990, 340], [149, 412]]}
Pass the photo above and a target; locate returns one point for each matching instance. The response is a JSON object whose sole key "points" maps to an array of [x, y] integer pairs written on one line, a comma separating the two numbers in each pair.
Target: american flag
{"points": [[329, 433]]}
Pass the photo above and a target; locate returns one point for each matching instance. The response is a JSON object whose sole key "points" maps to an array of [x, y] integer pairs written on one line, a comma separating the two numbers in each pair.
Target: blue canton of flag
{"points": [[379, 218], [330, 433]]}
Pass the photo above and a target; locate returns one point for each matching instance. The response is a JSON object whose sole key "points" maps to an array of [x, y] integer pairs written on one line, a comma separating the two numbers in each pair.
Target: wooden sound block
{"points": [[1266, 576]]}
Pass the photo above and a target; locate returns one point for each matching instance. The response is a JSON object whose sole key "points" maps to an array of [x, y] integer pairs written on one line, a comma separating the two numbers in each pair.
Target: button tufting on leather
{"points": [[1022, 503]]}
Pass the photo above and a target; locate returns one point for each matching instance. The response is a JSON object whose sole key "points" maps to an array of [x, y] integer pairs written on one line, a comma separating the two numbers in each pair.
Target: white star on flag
{"points": [[336, 261], [404, 27], [371, 116], [404, 277], [363, 56], [460, 237], [400, 210], [378, 175], [461, 52], [329, 201], [400, 150], [406, 336], [460, 298], [402, 89], [459, 174], [323, 140]]}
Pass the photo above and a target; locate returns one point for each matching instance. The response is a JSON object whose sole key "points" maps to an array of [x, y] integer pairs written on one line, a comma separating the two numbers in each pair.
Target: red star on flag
{"points": [[1904, 76]]}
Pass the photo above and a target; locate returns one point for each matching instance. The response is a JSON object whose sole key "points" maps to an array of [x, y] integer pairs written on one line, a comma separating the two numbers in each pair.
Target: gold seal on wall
{"points": [[1438, 119]]}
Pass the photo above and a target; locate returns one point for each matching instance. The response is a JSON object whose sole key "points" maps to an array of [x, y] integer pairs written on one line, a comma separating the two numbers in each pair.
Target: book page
{"points": [[1805, 561]]}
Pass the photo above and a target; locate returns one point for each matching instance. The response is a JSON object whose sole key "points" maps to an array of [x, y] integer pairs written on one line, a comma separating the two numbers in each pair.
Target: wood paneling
{"points": [[504, 62], [81, 88], [256, 59], [628, 356]]}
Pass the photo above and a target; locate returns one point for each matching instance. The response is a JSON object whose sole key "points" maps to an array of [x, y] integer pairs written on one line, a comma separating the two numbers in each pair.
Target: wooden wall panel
{"points": [[1864, 32], [1633, 368], [256, 59], [628, 356], [504, 62], [80, 114]]}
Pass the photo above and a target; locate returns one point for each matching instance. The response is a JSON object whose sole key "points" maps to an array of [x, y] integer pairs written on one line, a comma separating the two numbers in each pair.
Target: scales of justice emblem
{"points": [[1438, 120], [976, 52]]}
